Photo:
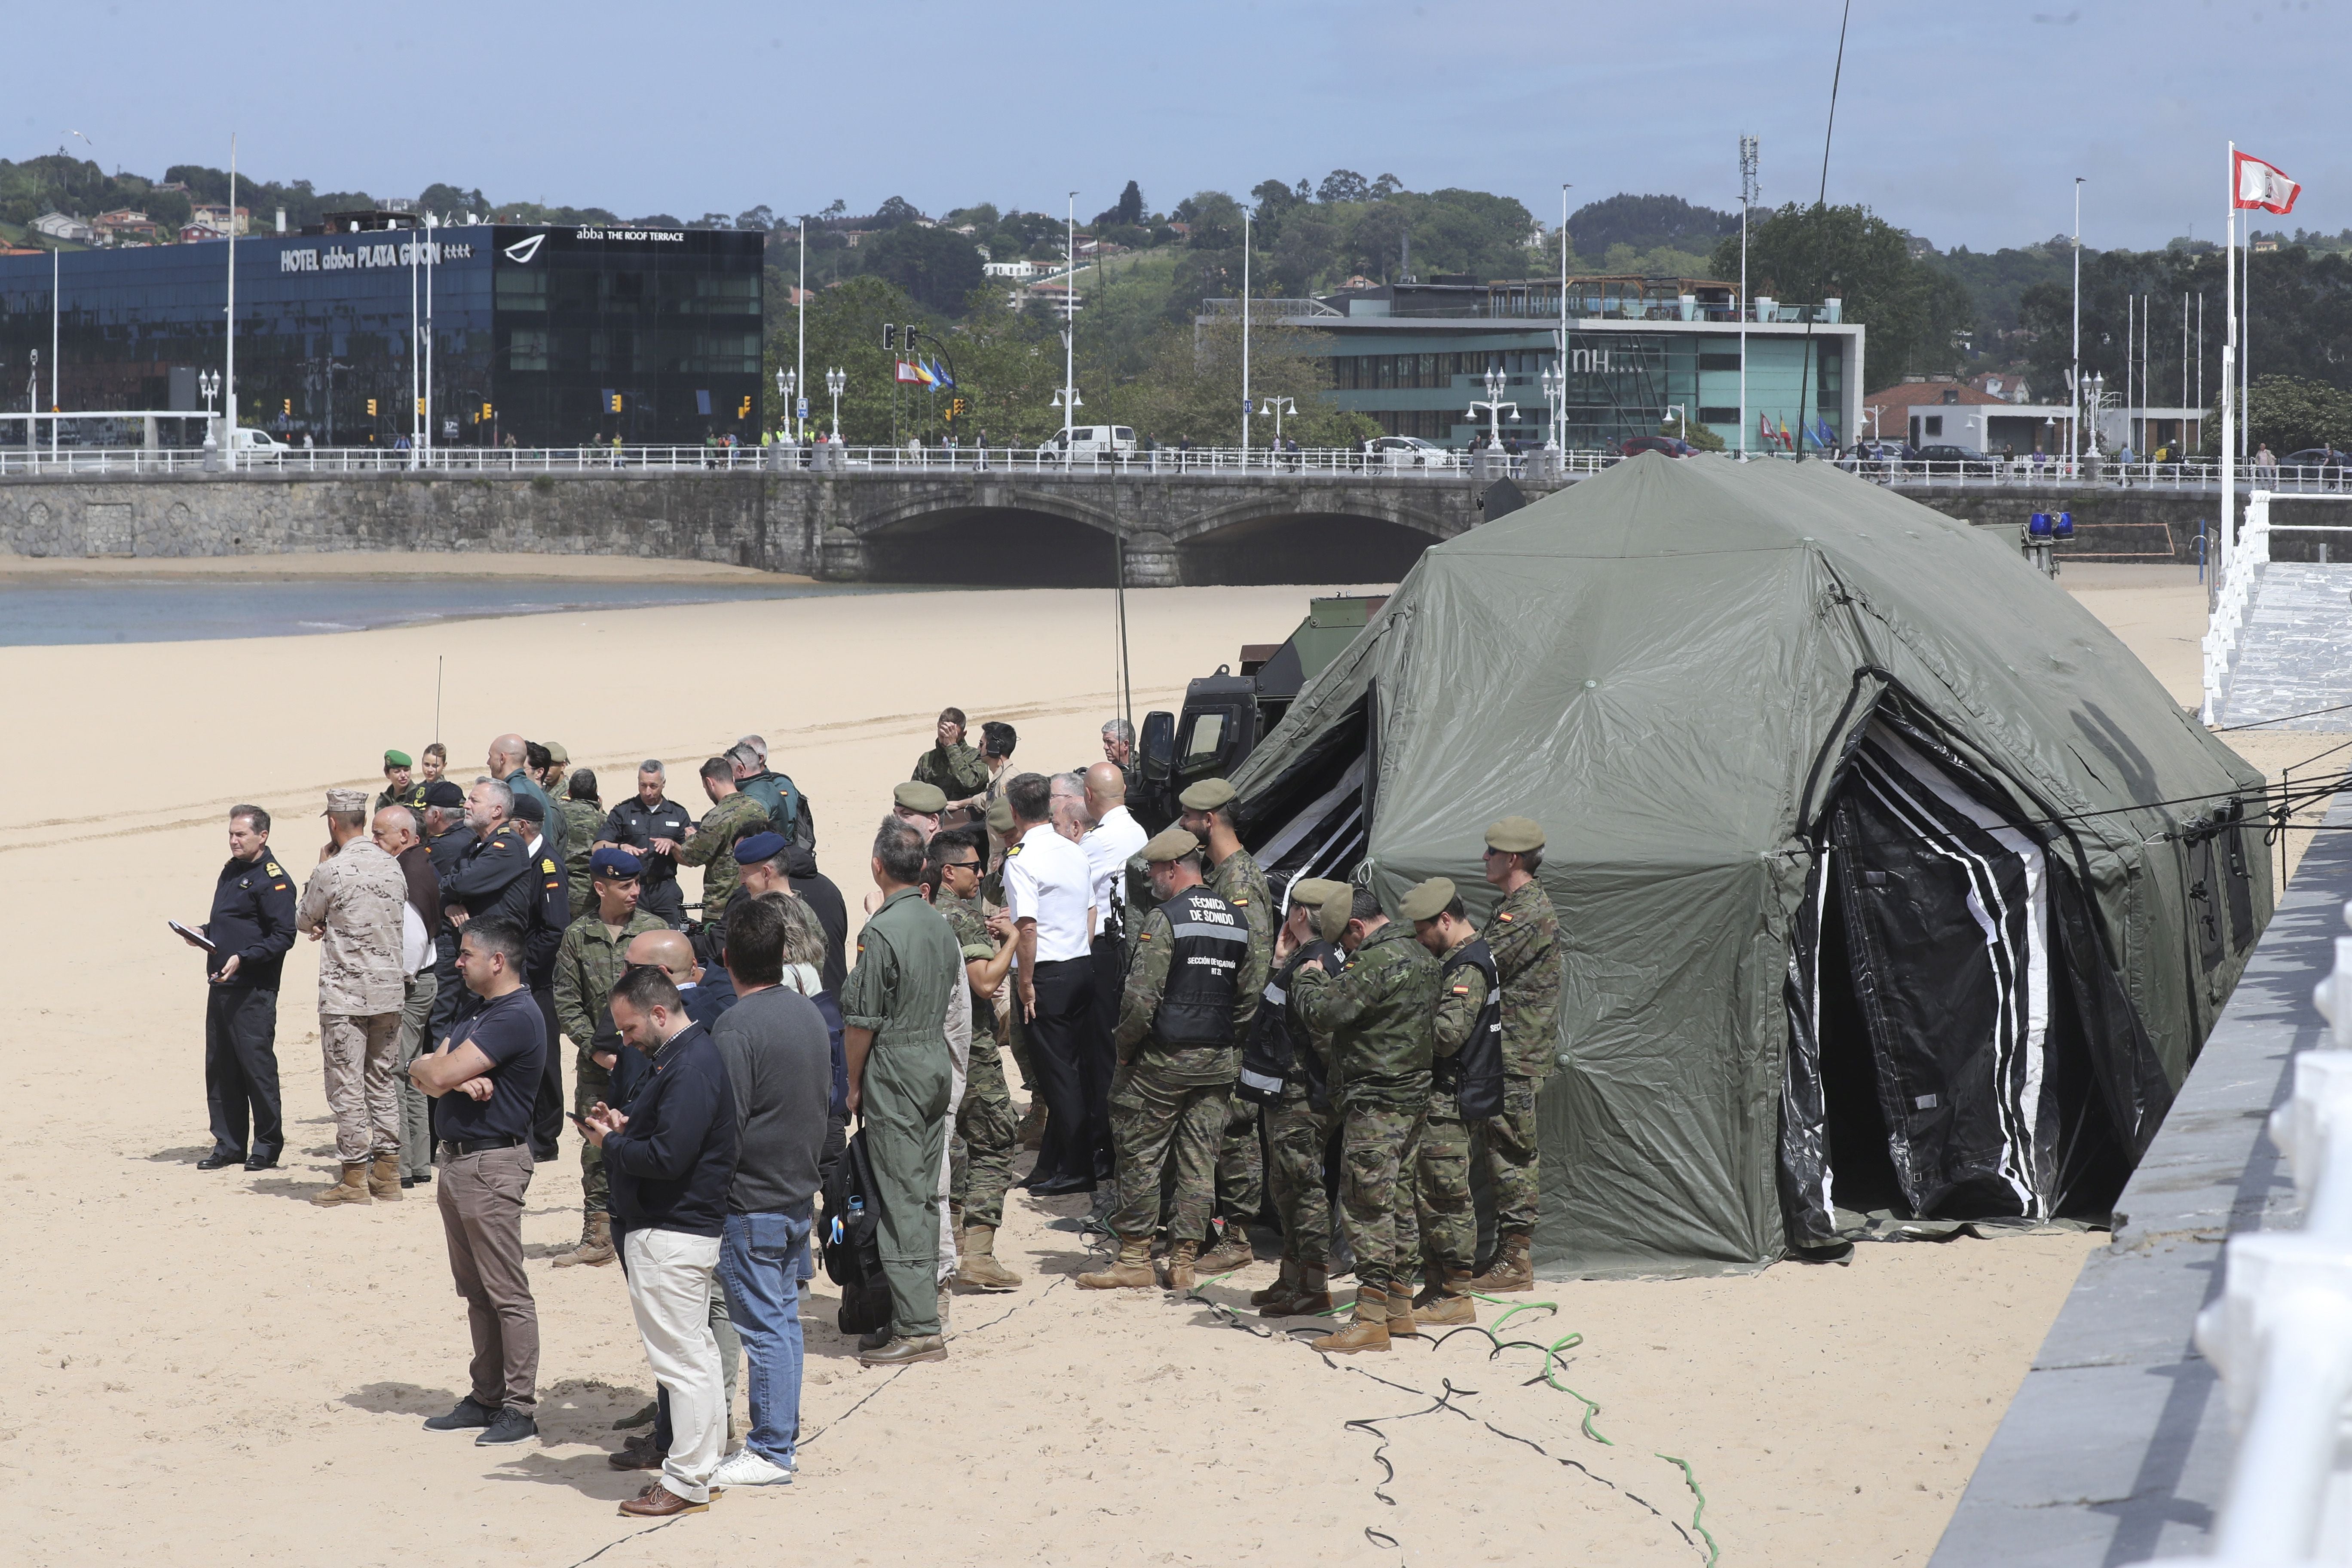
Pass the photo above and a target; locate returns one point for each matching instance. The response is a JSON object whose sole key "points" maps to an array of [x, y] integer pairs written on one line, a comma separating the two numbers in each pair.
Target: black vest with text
{"points": [[1475, 1073], [1276, 1052], [1210, 938]]}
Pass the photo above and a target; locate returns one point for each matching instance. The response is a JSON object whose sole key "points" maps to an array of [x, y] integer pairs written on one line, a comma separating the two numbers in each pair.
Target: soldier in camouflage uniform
{"points": [[584, 824], [1379, 1012], [1235, 877], [1178, 1017], [1008, 1015], [1298, 1130], [589, 962], [981, 1141], [1524, 936], [1445, 1228], [956, 768], [711, 842], [351, 905]]}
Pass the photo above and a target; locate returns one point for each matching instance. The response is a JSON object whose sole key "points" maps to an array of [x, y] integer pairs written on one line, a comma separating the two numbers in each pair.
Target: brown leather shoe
{"points": [[658, 1501], [638, 1454]]}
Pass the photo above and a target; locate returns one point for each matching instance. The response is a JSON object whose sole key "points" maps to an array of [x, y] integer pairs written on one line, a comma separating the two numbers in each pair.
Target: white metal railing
{"points": [[818, 457], [2234, 598], [2022, 473], [2281, 1333]]}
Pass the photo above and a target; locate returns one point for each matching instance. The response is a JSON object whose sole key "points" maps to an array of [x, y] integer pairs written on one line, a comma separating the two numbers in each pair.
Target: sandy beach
{"points": [[211, 1370]]}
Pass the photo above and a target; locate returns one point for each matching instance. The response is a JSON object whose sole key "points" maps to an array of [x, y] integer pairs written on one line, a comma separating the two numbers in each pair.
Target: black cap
{"points": [[528, 809], [443, 794]]}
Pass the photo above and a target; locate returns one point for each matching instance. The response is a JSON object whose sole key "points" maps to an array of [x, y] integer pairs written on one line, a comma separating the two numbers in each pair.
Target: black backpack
{"points": [[851, 1242]]}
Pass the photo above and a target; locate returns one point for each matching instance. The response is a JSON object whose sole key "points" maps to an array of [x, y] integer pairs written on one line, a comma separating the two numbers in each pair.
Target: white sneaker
{"points": [[747, 1466]]}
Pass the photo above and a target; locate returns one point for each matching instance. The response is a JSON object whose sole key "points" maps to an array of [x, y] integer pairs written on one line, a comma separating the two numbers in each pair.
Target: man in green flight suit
{"points": [[1523, 933], [588, 964], [1178, 1017], [1379, 1012], [711, 843], [1235, 877], [894, 1009]]}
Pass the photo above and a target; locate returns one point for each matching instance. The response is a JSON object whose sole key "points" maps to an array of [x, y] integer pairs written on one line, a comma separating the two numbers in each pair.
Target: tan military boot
{"points": [[352, 1189], [1131, 1272], [1033, 1126], [383, 1178], [1234, 1251], [1370, 1331], [1512, 1269], [1284, 1286], [596, 1242], [1183, 1261], [1400, 1319], [979, 1270], [1314, 1292], [1447, 1300]]}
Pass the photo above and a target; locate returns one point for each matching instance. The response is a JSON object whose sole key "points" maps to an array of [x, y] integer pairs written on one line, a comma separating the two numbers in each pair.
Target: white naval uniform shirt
{"points": [[1047, 880]]}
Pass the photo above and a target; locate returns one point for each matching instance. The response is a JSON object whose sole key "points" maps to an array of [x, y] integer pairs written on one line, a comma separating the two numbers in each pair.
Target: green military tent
{"points": [[1891, 883]]}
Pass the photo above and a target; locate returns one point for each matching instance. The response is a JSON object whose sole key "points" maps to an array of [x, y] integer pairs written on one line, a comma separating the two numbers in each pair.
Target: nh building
{"points": [[1644, 355], [546, 336]]}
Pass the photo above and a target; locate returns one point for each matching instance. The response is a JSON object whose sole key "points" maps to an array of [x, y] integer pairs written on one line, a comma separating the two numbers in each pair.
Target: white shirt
{"points": [[1047, 880], [1114, 841]]}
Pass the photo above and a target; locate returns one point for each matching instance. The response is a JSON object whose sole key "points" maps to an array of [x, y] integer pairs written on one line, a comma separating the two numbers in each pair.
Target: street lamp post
{"points": [[229, 380], [1070, 394], [835, 380], [208, 383], [1555, 388], [1497, 383], [800, 315], [2075, 374], [1276, 407], [1682, 412], [1747, 193], [1245, 335]]}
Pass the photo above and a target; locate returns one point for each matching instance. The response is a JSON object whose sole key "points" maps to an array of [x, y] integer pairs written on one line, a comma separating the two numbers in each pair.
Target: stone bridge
{"points": [[935, 526]]}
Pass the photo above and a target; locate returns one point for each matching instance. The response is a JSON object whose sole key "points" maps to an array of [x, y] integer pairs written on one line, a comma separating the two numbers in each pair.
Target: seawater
{"points": [[56, 612]]}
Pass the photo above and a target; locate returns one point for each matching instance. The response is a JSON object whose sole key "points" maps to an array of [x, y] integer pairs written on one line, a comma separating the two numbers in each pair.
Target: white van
{"points": [[259, 444], [1090, 441]]}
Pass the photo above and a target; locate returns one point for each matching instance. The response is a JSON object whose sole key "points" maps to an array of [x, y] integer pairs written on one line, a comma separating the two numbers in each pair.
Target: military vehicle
{"points": [[1226, 715]]}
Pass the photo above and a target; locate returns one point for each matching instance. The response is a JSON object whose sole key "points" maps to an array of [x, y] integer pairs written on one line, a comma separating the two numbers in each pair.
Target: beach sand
{"points": [[210, 1370]]}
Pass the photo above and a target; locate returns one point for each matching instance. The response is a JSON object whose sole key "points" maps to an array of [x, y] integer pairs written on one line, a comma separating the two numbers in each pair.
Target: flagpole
{"points": [[2230, 373]]}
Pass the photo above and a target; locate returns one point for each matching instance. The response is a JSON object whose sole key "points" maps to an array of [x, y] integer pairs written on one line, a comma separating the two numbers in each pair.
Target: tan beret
{"points": [[1000, 818], [1312, 890], [1171, 844], [1337, 909], [925, 799], [1428, 900], [346, 800], [557, 754], [1209, 795], [1516, 836]]}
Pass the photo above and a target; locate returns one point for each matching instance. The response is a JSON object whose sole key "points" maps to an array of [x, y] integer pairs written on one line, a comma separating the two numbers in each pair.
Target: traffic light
{"points": [[370, 407], [959, 407], [420, 407], [485, 413], [615, 407], [911, 337], [744, 411], [287, 405], [890, 336]]}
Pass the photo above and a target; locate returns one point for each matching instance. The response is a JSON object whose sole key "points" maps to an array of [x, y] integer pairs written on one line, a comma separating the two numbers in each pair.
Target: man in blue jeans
{"points": [[779, 1064]]}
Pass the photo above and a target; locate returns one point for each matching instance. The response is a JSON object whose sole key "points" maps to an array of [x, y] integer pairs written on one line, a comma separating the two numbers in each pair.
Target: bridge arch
{"points": [[1307, 536]]}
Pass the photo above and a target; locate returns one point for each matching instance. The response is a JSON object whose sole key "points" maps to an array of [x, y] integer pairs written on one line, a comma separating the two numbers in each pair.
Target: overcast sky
{"points": [[1965, 125]]}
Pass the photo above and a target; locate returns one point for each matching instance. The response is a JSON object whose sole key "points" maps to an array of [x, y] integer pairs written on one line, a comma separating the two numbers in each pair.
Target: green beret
{"points": [[396, 760], [1337, 909], [1000, 818], [1515, 835], [1171, 843], [927, 799], [1428, 900], [1209, 795], [1312, 890]]}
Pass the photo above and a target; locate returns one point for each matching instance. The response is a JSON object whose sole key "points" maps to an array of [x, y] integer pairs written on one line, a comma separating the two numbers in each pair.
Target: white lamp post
{"points": [[1682, 412], [1497, 384], [1555, 391], [1278, 406], [835, 380]]}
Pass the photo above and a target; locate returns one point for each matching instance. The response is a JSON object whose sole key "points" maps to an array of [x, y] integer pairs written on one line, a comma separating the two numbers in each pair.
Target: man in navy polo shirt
{"points": [[483, 1082]]}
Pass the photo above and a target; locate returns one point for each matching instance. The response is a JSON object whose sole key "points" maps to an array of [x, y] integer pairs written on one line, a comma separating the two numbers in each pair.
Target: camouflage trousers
{"points": [[1439, 1224], [589, 1084], [1298, 1135], [981, 1140], [1153, 1122], [361, 1055], [1376, 1153], [1241, 1166], [1504, 1148], [1016, 1035]]}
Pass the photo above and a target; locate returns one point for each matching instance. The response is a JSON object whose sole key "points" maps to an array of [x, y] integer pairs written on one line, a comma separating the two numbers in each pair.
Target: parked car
{"points": [[1407, 452], [1090, 441], [1672, 446], [1952, 460], [2315, 463]]}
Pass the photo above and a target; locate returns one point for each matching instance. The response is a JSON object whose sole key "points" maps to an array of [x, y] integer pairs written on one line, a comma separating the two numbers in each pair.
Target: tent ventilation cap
{"points": [[1590, 684]]}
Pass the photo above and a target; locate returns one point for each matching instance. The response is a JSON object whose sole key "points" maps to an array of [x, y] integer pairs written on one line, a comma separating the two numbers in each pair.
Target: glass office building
{"points": [[1642, 356], [546, 336]]}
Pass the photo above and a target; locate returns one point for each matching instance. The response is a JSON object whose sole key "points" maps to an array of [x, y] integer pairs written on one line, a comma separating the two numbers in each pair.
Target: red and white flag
{"points": [[907, 373], [2261, 185]]}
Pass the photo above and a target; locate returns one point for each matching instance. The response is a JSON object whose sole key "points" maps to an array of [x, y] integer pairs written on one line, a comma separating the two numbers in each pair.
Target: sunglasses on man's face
{"points": [[959, 865]]}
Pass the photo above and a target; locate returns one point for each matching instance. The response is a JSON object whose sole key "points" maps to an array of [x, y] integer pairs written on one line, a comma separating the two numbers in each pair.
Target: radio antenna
{"points": [[1821, 212]]}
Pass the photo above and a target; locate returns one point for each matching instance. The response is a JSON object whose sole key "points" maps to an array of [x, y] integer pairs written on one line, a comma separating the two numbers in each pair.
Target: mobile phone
{"points": [[577, 1120]]}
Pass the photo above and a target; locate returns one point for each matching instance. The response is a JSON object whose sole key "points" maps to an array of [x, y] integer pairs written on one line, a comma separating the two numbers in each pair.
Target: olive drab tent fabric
{"points": [[1890, 883]]}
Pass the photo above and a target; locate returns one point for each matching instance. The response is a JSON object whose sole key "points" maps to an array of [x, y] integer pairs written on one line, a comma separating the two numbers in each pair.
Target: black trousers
{"points": [[241, 1070], [1097, 1059], [547, 1110], [1066, 1002], [664, 900]]}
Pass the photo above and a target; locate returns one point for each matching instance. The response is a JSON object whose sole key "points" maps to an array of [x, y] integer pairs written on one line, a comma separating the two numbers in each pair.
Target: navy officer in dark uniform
{"points": [[653, 826], [251, 927], [499, 878]]}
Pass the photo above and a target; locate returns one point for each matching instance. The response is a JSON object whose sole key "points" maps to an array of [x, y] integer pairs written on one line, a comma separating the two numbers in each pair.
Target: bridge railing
{"points": [[2023, 473], [88, 462], [2281, 1333]]}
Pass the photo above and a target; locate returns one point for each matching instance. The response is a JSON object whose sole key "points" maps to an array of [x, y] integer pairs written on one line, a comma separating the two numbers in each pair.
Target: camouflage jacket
{"points": [[970, 925], [1138, 1008], [355, 898], [957, 770], [584, 824], [713, 845], [1524, 936], [587, 966], [1459, 1001], [1238, 879], [1379, 1012]]}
